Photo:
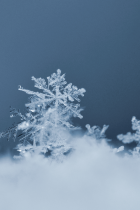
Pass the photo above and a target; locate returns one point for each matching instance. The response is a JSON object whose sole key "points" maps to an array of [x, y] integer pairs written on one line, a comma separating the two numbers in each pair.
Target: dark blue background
{"points": [[95, 42]]}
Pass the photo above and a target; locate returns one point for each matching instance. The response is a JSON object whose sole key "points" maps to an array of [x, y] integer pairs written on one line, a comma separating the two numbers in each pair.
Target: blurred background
{"points": [[95, 42]]}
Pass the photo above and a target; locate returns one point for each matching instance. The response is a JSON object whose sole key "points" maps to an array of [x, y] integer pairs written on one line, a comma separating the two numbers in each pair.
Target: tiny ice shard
{"points": [[120, 149]]}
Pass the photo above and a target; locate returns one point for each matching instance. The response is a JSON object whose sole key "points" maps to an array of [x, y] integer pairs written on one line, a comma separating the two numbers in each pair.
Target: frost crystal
{"points": [[47, 118], [96, 131], [132, 137]]}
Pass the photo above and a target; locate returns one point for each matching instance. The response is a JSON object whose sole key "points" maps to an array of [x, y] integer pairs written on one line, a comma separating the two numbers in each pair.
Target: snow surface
{"points": [[92, 177]]}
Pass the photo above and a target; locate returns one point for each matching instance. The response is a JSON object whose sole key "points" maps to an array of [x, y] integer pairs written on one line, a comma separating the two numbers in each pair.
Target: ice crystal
{"points": [[132, 137], [117, 150], [96, 131], [48, 116]]}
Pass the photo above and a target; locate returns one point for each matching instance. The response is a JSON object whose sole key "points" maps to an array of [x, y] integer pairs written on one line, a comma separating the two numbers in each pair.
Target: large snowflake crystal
{"points": [[48, 115]]}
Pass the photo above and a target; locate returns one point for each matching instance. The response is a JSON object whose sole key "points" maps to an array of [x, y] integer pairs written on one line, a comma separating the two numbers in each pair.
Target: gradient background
{"points": [[95, 42]]}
